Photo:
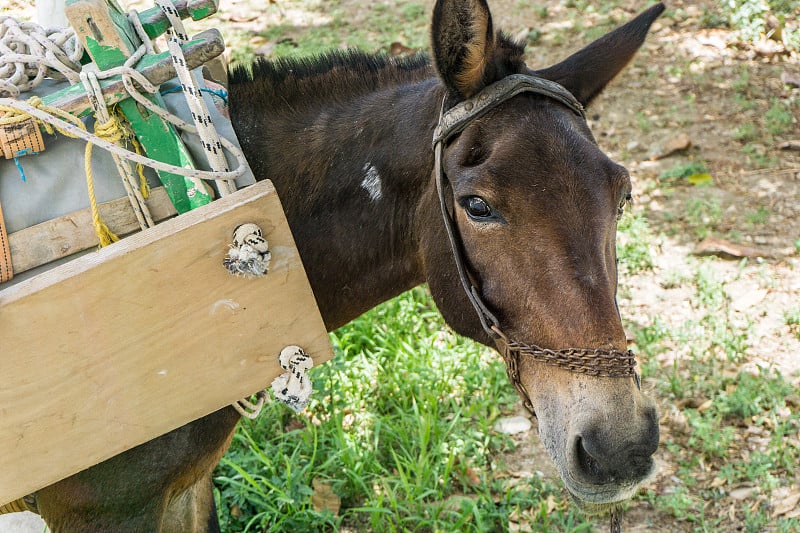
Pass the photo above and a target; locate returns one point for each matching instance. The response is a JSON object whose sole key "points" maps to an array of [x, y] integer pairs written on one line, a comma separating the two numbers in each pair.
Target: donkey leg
{"points": [[192, 511], [136, 490]]}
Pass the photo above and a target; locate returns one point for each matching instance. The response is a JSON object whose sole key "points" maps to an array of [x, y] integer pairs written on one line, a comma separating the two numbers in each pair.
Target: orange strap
{"points": [[6, 269]]}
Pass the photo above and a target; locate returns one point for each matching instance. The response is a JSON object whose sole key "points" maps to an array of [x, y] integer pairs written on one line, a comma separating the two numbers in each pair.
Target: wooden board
{"points": [[61, 237], [124, 344]]}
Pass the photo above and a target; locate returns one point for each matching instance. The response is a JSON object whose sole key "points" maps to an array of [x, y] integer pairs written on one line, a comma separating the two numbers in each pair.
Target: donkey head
{"points": [[535, 203]]}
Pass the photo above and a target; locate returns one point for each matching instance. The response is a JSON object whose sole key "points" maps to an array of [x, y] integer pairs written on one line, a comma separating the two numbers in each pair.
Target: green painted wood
{"points": [[110, 40], [155, 22]]}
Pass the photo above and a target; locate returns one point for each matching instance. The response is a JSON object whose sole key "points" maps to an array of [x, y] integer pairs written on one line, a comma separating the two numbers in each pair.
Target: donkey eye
{"points": [[477, 208], [625, 201]]}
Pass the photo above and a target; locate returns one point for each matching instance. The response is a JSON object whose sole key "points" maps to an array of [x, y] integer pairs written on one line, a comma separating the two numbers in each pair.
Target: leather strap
{"points": [[6, 268], [597, 362], [459, 116]]}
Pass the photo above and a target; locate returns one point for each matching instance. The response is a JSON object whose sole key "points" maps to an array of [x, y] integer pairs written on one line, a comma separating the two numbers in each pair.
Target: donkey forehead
{"points": [[532, 143]]}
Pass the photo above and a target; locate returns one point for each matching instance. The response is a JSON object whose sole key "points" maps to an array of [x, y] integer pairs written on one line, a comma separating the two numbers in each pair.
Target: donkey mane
{"points": [[328, 76]]}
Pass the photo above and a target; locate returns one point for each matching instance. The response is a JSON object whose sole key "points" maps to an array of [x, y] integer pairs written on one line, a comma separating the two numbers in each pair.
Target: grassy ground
{"points": [[401, 431]]}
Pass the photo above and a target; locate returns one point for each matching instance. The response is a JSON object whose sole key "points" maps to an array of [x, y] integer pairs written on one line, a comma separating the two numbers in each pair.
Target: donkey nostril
{"points": [[587, 463], [595, 463]]}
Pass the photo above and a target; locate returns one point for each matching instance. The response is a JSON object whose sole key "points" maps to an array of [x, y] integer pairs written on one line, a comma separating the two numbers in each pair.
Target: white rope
{"points": [[133, 156], [29, 53], [27, 70], [176, 36], [248, 409], [249, 255], [129, 180], [293, 387], [136, 22]]}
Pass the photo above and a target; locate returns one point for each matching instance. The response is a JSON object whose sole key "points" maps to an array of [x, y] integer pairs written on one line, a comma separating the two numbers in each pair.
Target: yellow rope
{"points": [[13, 115], [129, 135], [112, 131]]}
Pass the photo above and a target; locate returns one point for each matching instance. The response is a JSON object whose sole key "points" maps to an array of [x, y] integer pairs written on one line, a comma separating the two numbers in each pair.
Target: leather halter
{"points": [[594, 362]]}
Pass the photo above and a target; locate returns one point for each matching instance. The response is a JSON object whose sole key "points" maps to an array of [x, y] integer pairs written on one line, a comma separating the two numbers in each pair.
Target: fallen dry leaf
{"points": [[705, 406], [787, 504], [473, 476], [789, 145], [676, 144], [743, 493], [727, 250], [717, 482], [396, 49], [552, 504], [767, 48], [324, 499]]}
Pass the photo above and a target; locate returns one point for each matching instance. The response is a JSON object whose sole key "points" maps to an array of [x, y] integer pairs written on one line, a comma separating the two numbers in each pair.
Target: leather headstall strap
{"points": [[6, 268], [594, 362]]}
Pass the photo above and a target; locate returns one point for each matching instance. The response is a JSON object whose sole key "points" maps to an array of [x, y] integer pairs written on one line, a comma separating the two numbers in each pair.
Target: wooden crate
{"points": [[129, 342]]}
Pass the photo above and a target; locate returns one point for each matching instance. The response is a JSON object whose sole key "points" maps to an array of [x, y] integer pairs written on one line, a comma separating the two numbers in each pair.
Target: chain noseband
{"points": [[593, 362]]}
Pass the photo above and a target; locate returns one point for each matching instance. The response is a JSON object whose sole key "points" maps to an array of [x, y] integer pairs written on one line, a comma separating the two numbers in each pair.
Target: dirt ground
{"points": [[697, 88]]}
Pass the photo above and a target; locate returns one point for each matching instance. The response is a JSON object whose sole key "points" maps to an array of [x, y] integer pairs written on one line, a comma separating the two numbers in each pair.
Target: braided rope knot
{"points": [[294, 387], [249, 255]]}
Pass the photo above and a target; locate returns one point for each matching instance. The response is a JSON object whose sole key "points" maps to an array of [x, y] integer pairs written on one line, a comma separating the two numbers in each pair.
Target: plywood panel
{"points": [[124, 344]]}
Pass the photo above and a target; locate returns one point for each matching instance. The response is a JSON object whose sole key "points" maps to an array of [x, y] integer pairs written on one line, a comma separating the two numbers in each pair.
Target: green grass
{"points": [[748, 18], [792, 318], [634, 244], [778, 117], [759, 217], [703, 214], [683, 171], [407, 24]]}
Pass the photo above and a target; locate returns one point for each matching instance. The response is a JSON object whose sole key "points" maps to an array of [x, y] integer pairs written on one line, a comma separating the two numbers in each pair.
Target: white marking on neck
{"points": [[372, 182]]}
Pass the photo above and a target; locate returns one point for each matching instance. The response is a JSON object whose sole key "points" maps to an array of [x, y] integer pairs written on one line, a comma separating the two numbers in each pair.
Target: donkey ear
{"points": [[586, 73], [463, 45]]}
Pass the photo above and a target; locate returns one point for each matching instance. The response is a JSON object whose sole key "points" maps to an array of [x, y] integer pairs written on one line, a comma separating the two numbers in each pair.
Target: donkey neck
{"points": [[351, 173]]}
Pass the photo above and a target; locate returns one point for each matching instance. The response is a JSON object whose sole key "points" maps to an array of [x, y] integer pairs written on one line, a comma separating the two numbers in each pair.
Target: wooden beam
{"points": [[110, 39], [203, 47], [129, 342], [155, 22], [61, 237]]}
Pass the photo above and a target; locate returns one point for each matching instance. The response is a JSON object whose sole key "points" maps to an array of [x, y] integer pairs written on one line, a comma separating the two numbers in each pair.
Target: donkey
{"points": [[524, 255]]}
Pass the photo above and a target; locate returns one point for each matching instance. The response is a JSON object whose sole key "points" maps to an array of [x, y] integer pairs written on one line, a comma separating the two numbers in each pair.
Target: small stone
{"points": [[790, 78], [743, 493], [675, 144], [512, 425]]}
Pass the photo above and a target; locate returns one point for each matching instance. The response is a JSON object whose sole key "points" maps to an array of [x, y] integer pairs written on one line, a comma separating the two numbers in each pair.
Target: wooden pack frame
{"points": [[124, 344]]}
